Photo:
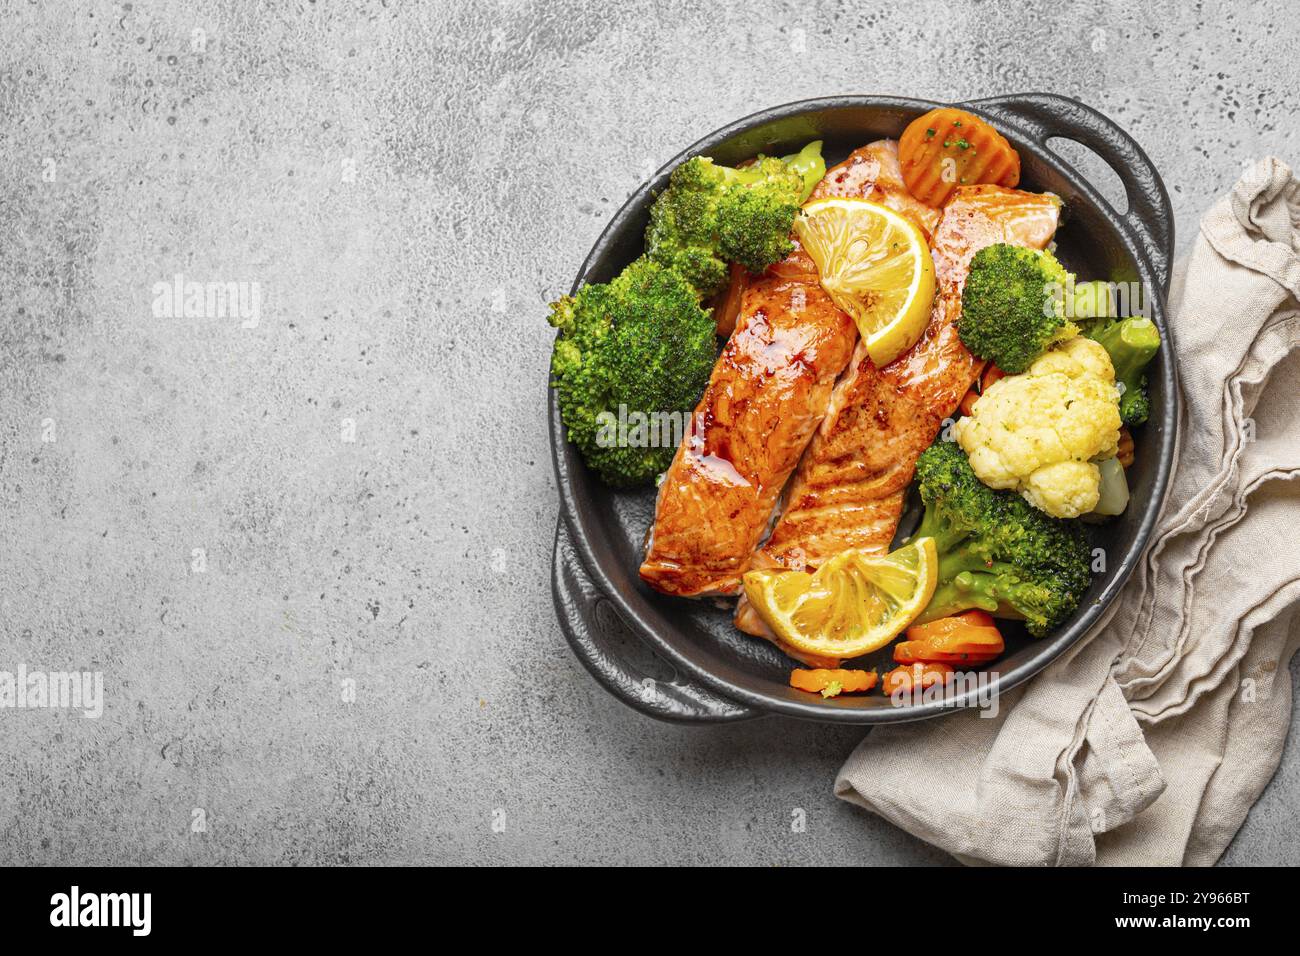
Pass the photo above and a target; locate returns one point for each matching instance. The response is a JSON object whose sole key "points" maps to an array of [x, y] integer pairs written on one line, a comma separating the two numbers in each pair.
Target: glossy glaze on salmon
{"points": [[852, 483], [766, 396]]}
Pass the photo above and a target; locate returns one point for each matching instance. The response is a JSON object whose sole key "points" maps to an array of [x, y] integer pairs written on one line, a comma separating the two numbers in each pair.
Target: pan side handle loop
{"points": [[1150, 216], [594, 631]]}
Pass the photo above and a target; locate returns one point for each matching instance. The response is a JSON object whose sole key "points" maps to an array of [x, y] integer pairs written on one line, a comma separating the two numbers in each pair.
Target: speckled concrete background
{"points": [[182, 508]]}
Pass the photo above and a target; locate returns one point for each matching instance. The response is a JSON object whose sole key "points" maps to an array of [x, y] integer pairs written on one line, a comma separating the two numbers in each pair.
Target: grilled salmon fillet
{"points": [[852, 483], [765, 398]]}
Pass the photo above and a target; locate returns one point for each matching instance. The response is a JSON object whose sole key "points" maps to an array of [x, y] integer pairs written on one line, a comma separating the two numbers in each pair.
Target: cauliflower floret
{"points": [[1065, 489], [1039, 432]]}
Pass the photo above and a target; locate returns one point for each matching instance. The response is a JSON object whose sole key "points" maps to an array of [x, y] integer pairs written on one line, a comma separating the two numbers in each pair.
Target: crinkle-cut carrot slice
{"points": [[947, 148], [824, 678], [970, 638], [913, 677]]}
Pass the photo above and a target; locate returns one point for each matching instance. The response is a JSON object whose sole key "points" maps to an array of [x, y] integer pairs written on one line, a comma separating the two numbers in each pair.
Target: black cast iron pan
{"points": [[683, 660]]}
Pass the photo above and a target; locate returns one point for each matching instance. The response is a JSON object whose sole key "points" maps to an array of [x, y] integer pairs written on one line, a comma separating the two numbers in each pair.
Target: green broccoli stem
{"points": [[1093, 300], [965, 591], [809, 164], [1131, 344], [966, 558], [946, 537], [968, 578], [959, 551], [965, 571], [741, 175]]}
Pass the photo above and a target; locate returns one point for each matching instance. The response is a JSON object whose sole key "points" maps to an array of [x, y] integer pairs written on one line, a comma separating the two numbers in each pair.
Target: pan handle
{"points": [[1040, 116], [594, 630]]}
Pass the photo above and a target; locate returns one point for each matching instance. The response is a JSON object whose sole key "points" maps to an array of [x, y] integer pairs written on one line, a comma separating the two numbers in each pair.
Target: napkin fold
{"points": [[1148, 742]]}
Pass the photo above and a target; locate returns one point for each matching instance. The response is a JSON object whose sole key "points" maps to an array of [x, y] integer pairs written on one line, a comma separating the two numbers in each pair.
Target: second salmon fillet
{"points": [[852, 483]]}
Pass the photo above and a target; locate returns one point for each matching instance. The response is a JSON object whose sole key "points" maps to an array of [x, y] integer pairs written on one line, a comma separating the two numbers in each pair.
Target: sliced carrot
{"points": [[1125, 453], [967, 406], [912, 652], [908, 678], [973, 618], [988, 374], [991, 374], [971, 637], [947, 148], [974, 626], [825, 679], [727, 305]]}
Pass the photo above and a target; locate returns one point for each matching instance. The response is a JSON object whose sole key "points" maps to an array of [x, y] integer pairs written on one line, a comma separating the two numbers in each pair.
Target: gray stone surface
{"points": [[408, 186]]}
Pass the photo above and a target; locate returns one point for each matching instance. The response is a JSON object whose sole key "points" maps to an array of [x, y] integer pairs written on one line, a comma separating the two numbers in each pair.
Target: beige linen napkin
{"points": [[1148, 742]]}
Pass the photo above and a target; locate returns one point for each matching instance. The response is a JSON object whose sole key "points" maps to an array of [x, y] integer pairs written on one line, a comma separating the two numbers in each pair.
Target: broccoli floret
{"points": [[642, 342], [711, 215], [1013, 306], [996, 551], [810, 164], [1131, 343]]}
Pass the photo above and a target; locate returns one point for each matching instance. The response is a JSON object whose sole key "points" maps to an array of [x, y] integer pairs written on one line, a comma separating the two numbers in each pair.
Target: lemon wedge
{"points": [[855, 603], [875, 265]]}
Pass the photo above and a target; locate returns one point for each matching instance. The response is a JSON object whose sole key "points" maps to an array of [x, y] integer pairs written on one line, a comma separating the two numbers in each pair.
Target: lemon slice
{"points": [[853, 604], [876, 266]]}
